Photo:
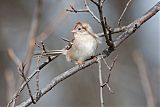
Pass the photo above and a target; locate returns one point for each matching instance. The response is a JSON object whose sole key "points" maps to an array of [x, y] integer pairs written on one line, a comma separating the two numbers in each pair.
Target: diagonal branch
{"points": [[132, 27]]}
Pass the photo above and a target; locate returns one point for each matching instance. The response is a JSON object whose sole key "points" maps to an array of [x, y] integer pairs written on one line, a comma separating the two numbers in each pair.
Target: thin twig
{"points": [[38, 93], [120, 18], [103, 1], [44, 49], [65, 39], [87, 9], [16, 95], [94, 2], [28, 87], [106, 63], [76, 10], [101, 83], [109, 75], [92, 14], [21, 71], [108, 29]]}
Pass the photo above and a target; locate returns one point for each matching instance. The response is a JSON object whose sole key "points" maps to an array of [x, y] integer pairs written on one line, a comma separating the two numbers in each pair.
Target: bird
{"points": [[83, 45]]}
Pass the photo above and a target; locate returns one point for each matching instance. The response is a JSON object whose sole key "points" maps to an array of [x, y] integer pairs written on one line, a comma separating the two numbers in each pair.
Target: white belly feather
{"points": [[86, 48]]}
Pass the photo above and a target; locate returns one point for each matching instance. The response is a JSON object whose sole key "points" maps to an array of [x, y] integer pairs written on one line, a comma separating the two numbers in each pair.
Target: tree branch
{"points": [[132, 27]]}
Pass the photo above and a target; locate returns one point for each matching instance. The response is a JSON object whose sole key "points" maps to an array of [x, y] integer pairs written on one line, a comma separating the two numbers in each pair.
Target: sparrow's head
{"points": [[82, 28]]}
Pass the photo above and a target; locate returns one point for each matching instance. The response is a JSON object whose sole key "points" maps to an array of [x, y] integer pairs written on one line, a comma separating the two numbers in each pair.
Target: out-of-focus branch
{"points": [[32, 34], [130, 29], [24, 65], [143, 72], [11, 84], [14, 58]]}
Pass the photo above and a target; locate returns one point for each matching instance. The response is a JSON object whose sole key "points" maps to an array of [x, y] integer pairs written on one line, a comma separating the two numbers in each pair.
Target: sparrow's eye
{"points": [[79, 28]]}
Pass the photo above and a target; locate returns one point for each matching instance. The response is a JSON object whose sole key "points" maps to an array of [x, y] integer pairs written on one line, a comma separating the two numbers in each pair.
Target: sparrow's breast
{"points": [[85, 47]]}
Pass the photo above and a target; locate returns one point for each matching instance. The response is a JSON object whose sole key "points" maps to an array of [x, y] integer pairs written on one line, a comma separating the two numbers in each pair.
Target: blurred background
{"points": [[81, 89]]}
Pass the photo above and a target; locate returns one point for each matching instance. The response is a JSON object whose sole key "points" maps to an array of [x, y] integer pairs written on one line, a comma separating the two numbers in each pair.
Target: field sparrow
{"points": [[83, 46]]}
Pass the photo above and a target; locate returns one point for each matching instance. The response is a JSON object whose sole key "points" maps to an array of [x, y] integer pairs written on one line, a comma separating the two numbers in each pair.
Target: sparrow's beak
{"points": [[73, 31]]}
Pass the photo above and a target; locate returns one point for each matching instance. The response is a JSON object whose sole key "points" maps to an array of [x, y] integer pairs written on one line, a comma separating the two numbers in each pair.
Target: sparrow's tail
{"points": [[51, 53]]}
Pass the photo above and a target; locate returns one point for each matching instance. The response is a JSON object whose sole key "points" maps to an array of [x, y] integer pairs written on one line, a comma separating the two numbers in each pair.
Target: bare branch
{"points": [[28, 87], [109, 75], [101, 83], [94, 2], [120, 18], [38, 93], [92, 14], [66, 40], [100, 10], [75, 10], [87, 9], [132, 27], [103, 1]]}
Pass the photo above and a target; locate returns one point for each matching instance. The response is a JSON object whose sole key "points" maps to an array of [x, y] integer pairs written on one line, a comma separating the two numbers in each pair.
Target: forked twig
{"points": [[87, 9], [109, 75]]}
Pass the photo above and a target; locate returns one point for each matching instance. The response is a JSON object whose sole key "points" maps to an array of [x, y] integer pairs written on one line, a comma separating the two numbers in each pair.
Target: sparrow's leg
{"points": [[79, 62], [94, 58]]}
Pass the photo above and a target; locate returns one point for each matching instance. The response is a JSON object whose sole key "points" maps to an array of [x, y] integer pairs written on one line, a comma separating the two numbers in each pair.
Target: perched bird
{"points": [[83, 46]]}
